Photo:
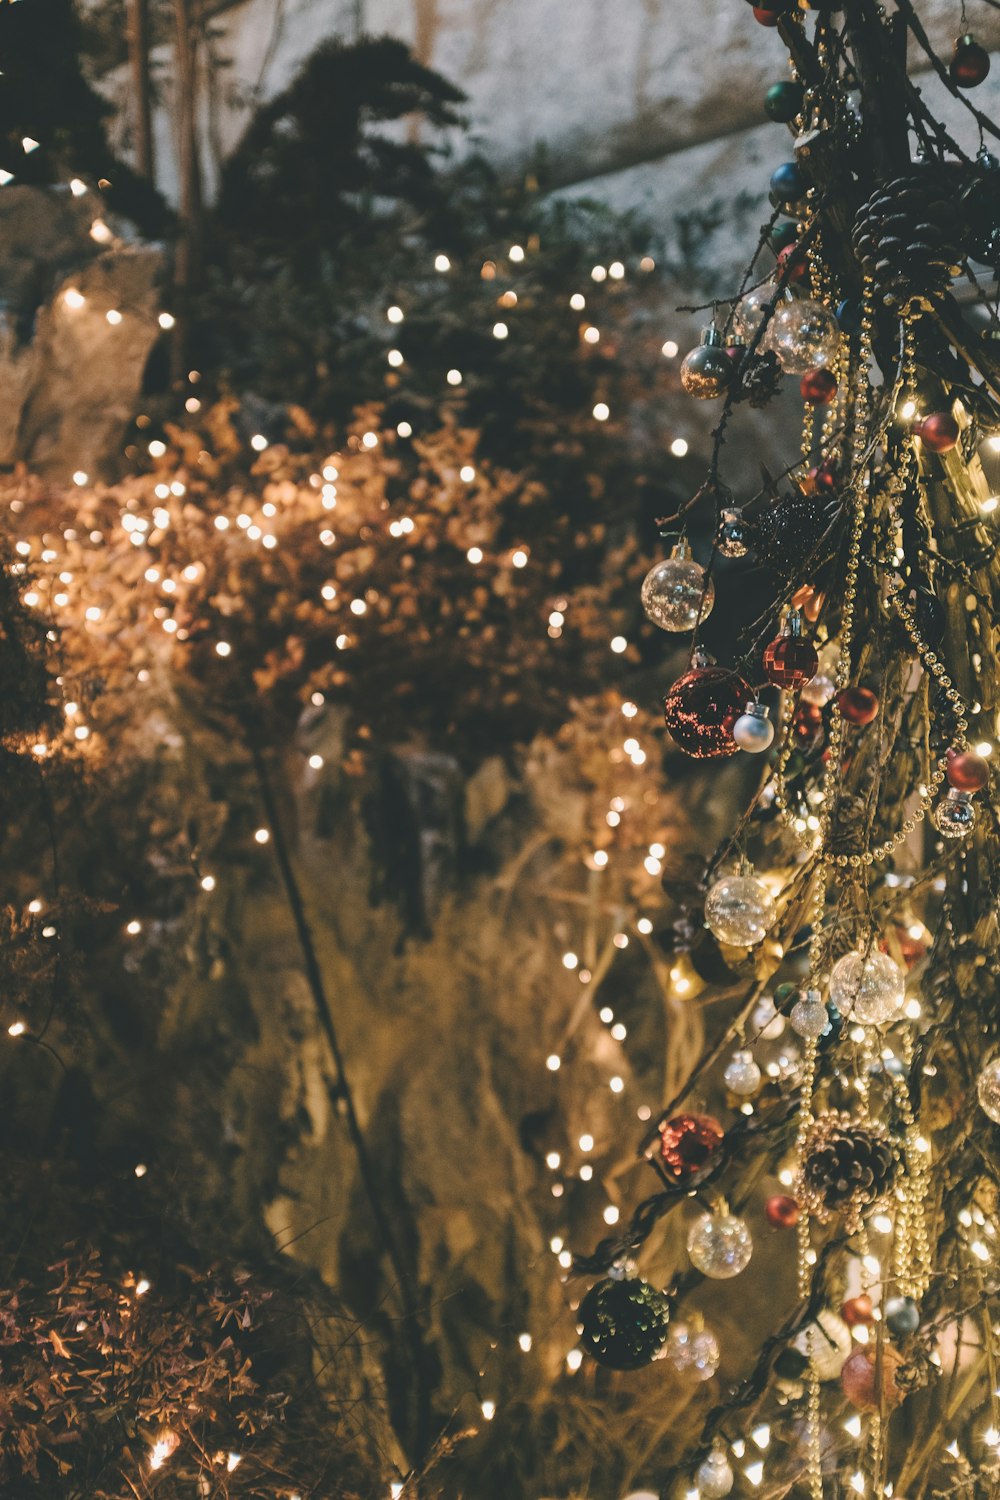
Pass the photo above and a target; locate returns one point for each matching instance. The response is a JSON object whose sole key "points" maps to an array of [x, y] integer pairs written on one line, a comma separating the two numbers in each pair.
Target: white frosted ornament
{"points": [[804, 335], [988, 1090], [693, 1351], [742, 1075], [868, 988], [714, 1477], [767, 1020], [753, 730], [674, 592], [809, 1016], [720, 1246], [739, 910], [829, 1343], [818, 690]]}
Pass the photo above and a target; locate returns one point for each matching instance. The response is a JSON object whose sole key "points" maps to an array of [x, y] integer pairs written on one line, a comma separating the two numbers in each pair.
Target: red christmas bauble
{"points": [[970, 63], [868, 1378], [793, 264], [766, 17], [790, 661], [781, 1211], [701, 709], [807, 725], [818, 386], [687, 1142], [939, 432], [858, 1310], [858, 705], [966, 771], [821, 480]]}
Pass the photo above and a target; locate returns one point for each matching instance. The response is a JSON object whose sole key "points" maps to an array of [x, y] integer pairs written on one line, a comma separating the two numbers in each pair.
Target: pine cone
{"points": [[908, 236], [759, 378], [847, 1166]]}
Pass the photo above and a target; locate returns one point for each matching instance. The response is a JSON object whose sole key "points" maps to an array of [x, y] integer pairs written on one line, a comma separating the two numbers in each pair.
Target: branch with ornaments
{"points": [[836, 1145]]}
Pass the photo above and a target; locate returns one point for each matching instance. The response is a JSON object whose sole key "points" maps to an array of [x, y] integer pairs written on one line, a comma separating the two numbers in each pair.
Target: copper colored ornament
{"points": [[966, 771], [686, 1144], [858, 705], [858, 1310], [970, 63], [807, 725], [818, 386], [939, 432], [766, 17], [701, 709], [869, 1379], [793, 264], [820, 480], [790, 660], [809, 602], [782, 1211]]}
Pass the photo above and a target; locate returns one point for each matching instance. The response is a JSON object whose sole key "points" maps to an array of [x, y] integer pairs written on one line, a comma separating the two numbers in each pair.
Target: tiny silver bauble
{"points": [[707, 370], [714, 1477], [675, 593], [753, 731], [988, 1089], [809, 1015], [956, 815], [742, 1075], [767, 1019]]}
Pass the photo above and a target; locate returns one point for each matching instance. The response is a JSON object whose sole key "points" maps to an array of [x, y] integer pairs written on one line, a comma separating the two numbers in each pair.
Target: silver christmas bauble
{"points": [[988, 1089], [804, 335], [739, 910], [714, 1477], [720, 1246], [674, 592], [767, 1020], [753, 731], [867, 988], [751, 312], [694, 1351], [735, 536], [809, 1015], [956, 815], [742, 1075]]}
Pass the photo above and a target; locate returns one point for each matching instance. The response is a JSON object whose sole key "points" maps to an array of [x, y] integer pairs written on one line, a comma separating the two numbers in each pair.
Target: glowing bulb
{"points": [[553, 1062], [442, 263], [616, 270], [519, 559], [602, 411], [454, 377], [475, 555], [113, 316], [616, 1084], [524, 1341], [166, 320], [489, 1410], [679, 447], [262, 836], [578, 302], [670, 350], [644, 925], [500, 330], [611, 1214], [599, 273], [223, 648], [570, 960], [619, 644], [467, 473], [574, 1359], [395, 358], [395, 314], [74, 298]]}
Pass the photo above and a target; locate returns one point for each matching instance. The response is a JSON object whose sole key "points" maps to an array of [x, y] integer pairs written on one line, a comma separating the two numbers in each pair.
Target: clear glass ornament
{"points": [[739, 910], [767, 1020], [714, 1476], [818, 690], [867, 988], [742, 1075], [720, 1246], [828, 1343], [673, 590], [694, 1351], [956, 815], [753, 731], [804, 334], [751, 312], [735, 536], [988, 1089], [809, 1016]]}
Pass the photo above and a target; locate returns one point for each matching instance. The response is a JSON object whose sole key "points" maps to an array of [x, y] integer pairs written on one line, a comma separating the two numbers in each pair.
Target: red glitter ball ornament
{"points": [[783, 1212], [858, 1310], [970, 63], [790, 661], [818, 386], [869, 1378], [687, 1142], [966, 771], [701, 709], [858, 705], [939, 432]]}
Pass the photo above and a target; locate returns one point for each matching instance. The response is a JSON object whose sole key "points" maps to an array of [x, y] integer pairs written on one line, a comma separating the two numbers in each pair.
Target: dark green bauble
{"points": [[791, 1364], [902, 1316], [623, 1324], [784, 100], [783, 235]]}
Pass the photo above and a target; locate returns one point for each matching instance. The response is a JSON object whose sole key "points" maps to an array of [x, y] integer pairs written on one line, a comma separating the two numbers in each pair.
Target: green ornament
{"points": [[623, 1323], [784, 100], [783, 234]]}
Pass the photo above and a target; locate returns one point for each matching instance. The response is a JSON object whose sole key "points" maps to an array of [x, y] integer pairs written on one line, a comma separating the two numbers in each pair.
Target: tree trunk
{"points": [[189, 246], [137, 13]]}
